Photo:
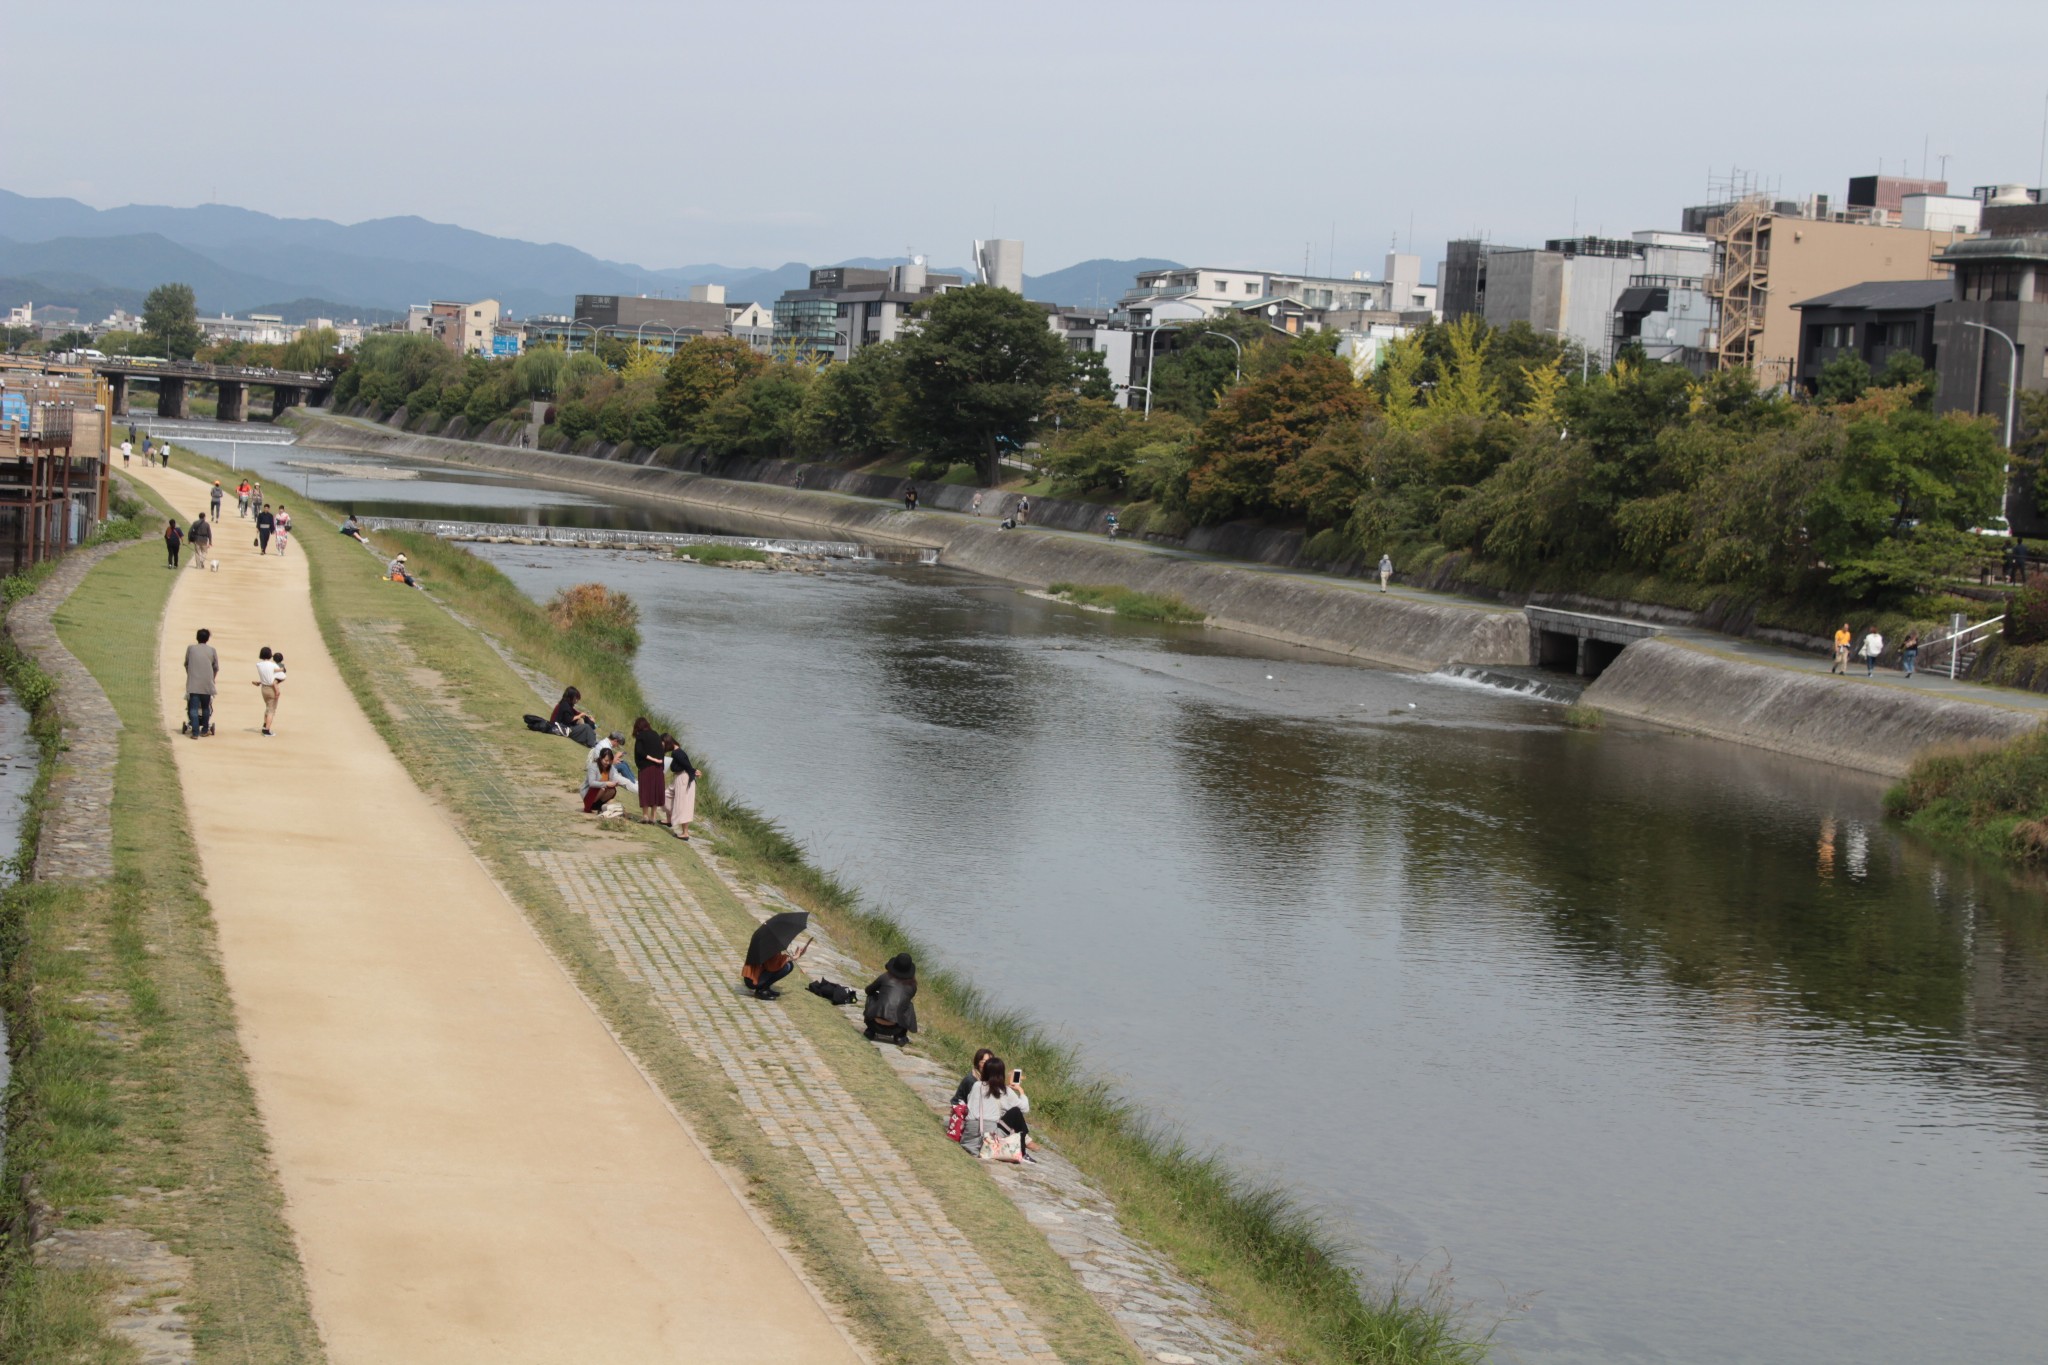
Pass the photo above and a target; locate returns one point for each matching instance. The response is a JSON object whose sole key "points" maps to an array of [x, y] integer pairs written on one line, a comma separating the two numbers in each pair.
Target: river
{"points": [[1671, 1050]]}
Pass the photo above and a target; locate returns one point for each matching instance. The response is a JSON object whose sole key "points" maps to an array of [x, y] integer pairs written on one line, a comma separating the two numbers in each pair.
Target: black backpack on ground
{"points": [[833, 991]]}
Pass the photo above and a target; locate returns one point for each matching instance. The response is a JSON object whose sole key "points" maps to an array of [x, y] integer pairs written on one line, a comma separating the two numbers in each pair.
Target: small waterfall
{"points": [[1524, 683]]}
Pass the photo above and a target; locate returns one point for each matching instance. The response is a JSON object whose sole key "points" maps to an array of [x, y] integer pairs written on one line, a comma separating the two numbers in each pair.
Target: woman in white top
{"points": [[270, 680], [997, 1098]]}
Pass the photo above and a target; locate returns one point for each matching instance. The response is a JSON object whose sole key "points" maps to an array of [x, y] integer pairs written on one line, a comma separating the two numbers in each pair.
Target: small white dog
{"points": [[213, 566]]}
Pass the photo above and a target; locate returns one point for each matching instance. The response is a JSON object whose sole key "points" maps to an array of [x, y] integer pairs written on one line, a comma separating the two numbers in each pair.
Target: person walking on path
{"points": [[1873, 645], [164, 454], [975, 506], [1909, 652], [270, 683], [1024, 511], [173, 538], [284, 529], [202, 539], [682, 790], [1842, 640], [255, 498], [266, 527], [242, 498], [1386, 570], [216, 497], [202, 680], [127, 450]]}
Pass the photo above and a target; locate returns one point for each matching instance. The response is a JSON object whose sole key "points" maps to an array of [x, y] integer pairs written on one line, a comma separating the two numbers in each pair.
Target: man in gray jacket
{"points": [[202, 673]]}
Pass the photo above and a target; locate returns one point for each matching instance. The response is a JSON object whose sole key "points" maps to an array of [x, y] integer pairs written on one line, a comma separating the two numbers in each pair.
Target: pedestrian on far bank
{"points": [[682, 787], [1842, 641], [1386, 570], [202, 541], [284, 529], [131, 433], [1024, 511], [202, 680], [909, 497], [173, 538], [1873, 645], [266, 527], [975, 506], [1909, 652], [216, 496]]}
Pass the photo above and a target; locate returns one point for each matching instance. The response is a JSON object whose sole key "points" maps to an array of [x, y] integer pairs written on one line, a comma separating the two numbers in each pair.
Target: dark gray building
{"points": [[2001, 282], [848, 307], [1872, 321]]}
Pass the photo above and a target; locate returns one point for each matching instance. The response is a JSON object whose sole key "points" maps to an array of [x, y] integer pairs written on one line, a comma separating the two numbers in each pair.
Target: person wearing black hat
{"points": [[889, 1009]]}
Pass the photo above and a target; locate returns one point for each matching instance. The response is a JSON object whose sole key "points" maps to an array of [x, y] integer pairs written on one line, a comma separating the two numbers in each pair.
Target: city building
{"points": [[1162, 298], [1871, 321], [1600, 293], [1993, 328], [464, 328], [258, 329], [1000, 263], [847, 307], [1770, 255], [659, 324]]}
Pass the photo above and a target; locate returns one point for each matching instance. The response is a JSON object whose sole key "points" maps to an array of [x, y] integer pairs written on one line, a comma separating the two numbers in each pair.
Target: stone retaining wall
{"points": [[1877, 727]]}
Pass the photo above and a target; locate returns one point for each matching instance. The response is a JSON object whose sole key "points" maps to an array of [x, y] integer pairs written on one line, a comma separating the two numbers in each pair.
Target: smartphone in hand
{"points": [[1017, 1076]]}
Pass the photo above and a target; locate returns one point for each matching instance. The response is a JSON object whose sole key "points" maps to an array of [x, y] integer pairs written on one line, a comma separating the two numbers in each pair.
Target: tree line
{"points": [[1462, 440]]}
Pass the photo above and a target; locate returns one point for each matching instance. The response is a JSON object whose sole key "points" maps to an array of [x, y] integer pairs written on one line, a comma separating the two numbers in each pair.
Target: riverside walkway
{"points": [[474, 1169]]}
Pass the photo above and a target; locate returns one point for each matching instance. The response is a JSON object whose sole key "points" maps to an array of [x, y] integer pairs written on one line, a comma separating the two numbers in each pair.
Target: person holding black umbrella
{"points": [[768, 957], [889, 1008]]}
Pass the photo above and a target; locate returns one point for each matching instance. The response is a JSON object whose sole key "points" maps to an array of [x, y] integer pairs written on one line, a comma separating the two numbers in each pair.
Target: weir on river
{"points": [[1676, 1049]]}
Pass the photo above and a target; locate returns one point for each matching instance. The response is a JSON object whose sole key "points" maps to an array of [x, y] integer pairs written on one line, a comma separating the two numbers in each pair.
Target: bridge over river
{"points": [[174, 378]]}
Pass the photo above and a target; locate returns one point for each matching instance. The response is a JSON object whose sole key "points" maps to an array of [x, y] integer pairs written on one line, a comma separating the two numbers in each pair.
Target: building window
{"points": [[1992, 284], [1251, 288]]}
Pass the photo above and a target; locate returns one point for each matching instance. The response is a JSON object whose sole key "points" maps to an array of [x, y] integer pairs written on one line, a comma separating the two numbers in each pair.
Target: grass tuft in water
{"points": [[1579, 716], [1138, 606]]}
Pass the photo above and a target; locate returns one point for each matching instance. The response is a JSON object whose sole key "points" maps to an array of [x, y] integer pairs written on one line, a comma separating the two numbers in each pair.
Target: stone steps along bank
{"points": [[1786, 710]]}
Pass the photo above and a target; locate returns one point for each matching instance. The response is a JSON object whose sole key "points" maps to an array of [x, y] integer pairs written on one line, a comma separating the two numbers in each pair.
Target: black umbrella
{"points": [[772, 939]]}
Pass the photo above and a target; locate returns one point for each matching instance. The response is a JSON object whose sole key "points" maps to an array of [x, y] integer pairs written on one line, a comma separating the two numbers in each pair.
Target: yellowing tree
{"points": [[1464, 389], [1546, 383]]}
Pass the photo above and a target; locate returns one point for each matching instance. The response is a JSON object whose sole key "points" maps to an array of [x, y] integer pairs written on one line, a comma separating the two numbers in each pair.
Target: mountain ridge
{"points": [[237, 259]]}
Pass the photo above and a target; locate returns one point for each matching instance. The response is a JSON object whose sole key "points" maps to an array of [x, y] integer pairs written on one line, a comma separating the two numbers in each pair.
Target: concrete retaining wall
{"points": [[1342, 617], [1878, 728]]}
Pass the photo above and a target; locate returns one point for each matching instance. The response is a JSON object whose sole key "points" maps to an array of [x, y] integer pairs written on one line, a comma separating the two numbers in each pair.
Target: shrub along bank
{"points": [[1993, 798]]}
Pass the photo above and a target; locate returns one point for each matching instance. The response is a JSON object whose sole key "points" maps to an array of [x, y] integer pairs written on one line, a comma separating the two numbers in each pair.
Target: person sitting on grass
{"points": [[600, 784], [960, 1093], [996, 1105], [889, 1011], [352, 528], [396, 572]]}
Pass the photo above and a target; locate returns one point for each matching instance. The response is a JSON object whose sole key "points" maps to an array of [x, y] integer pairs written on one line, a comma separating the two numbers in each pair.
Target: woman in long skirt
{"points": [[682, 792], [649, 770]]}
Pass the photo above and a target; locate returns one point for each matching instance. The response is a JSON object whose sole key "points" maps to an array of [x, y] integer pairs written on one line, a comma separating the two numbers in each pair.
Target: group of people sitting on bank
{"points": [[660, 772]]}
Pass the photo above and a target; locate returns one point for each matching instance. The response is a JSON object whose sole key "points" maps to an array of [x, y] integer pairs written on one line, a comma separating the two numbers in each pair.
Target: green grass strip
{"points": [[1128, 602]]}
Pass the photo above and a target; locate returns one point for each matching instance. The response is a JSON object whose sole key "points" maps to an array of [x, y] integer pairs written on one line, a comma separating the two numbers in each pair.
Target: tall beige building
{"points": [[1766, 262]]}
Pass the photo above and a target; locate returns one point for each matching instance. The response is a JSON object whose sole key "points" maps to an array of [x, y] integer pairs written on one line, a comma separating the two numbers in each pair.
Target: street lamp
{"points": [[2012, 389], [569, 332], [673, 333]]}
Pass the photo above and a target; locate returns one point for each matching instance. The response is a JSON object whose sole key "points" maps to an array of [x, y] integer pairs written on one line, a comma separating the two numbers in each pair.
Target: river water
{"points": [[1672, 1051]]}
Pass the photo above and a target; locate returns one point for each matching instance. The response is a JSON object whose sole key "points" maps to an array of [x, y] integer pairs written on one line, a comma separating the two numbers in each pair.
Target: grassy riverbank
{"points": [[1991, 798], [130, 1107], [1265, 1261]]}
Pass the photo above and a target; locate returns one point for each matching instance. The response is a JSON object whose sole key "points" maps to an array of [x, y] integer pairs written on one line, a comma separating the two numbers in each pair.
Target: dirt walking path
{"points": [[474, 1169]]}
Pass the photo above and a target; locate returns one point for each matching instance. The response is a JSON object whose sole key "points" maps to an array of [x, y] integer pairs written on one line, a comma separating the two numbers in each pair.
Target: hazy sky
{"points": [[1228, 134]]}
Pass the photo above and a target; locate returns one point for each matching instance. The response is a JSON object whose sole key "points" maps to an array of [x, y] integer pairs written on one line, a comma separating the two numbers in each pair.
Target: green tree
{"points": [[704, 370], [312, 349], [77, 339], [539, 369], [854, 406], [1090, 376], [170, 319], [1843, 380], [975, 373]]}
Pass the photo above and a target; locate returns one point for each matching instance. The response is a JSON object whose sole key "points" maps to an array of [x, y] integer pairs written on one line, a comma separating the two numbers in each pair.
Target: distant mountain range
{"points": [[59, 251]]}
